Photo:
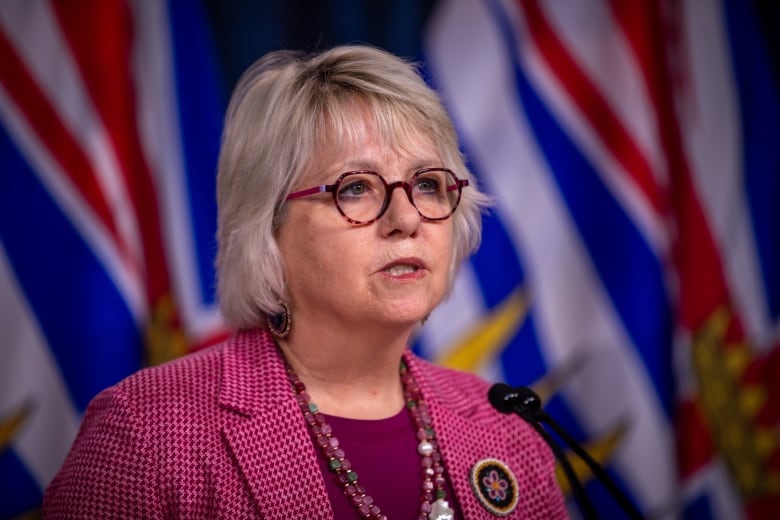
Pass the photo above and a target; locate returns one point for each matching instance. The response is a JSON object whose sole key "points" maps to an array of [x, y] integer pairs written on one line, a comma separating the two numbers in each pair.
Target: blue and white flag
{"points": [[628, 270], [109, 133], [631, 266]]}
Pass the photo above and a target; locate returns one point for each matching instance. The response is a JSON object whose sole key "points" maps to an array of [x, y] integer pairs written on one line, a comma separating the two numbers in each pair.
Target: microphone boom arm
{"points": [[526, 403], [586, 506]]}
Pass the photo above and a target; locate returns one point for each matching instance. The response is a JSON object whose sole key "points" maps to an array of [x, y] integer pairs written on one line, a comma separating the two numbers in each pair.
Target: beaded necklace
{"points": [[433, 505]]}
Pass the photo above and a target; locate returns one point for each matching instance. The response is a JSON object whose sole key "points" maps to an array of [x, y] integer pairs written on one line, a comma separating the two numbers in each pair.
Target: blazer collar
{"points": [[265, 431], [253, 374]]}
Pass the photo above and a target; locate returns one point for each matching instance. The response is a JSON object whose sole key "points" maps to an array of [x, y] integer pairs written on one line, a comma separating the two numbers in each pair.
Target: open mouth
{"points": [[401, 269]]}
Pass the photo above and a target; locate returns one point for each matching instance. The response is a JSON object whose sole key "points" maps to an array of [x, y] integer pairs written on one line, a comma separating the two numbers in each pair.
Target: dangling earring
{"points": [[424, 320], [279, 324]]}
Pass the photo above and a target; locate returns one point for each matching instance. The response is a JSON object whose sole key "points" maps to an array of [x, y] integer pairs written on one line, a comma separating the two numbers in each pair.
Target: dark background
{"points": [[244, 30]]}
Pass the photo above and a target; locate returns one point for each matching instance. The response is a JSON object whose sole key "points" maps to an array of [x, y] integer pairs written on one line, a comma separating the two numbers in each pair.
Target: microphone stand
{"points": [[525, 403], [584, 503], [610, 485]]}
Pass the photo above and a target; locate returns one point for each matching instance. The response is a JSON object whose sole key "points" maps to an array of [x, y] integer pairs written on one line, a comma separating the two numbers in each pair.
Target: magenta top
{"points": [[384, 454]]}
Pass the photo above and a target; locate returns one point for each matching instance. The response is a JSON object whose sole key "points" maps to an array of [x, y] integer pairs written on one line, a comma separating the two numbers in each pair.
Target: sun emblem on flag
{"points": [[737, 402], [165, 339]]}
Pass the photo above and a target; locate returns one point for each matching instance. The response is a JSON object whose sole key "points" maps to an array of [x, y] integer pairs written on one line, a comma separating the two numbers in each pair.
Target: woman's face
{"points": [[393, 271]]}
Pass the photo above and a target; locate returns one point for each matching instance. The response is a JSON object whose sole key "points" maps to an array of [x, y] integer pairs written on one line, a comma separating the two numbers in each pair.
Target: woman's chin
{"points": [[407, 317]]}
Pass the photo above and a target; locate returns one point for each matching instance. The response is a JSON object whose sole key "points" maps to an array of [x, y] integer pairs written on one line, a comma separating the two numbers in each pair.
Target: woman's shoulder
{"points": [[463, 397], [462, 393], [449, 382], [189, 382], [466, 393], [161, 424], [193, 371], [199, 374]]}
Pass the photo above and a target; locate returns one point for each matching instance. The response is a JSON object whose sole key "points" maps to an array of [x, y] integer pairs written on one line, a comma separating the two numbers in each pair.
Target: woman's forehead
{"points": [[363, 142], [372, 152]]}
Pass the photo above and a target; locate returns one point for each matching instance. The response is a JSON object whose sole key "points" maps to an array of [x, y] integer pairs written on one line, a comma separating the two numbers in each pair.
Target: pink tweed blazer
{"points": [[218, 434]]}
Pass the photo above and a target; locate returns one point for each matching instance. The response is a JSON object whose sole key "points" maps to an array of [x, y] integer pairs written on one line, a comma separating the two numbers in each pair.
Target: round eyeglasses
{"points": [[363, 196]]}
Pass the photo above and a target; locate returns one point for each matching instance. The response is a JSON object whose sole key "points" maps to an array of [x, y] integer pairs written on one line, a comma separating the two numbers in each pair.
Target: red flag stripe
{"points": [[593, 105], [702, 287], [702, 282], [104, 57], [53, 133], [695, 446]]}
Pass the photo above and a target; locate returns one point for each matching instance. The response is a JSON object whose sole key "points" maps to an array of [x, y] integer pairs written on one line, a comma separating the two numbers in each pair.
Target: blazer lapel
{"points": [[462, 444], [462, 441], [266, 434]]}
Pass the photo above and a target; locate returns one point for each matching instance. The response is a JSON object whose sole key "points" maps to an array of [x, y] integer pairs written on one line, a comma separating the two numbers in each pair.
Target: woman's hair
{"points": [[288, 111]]}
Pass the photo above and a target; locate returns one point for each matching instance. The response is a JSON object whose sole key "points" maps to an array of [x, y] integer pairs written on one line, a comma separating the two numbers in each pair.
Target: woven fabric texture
{"points": [[218, 434]]}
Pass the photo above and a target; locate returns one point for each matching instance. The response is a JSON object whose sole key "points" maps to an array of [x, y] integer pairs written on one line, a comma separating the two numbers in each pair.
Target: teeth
{"points": [[398, 270]]}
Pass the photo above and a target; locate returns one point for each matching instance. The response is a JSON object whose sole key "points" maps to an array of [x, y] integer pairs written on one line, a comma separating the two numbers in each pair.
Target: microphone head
{"points": [[501, 396], [528, 398], [505, 398]]}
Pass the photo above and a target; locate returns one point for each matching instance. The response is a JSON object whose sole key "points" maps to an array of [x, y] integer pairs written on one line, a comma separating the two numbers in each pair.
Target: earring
{"points": [[279, 324]]}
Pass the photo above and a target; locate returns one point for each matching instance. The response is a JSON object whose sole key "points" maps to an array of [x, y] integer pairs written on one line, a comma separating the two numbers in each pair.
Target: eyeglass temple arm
{"points": [[310, 191], [462, 183]]}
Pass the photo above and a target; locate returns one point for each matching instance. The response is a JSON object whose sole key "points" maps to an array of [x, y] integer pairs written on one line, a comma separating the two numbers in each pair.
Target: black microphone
{"points": [[502, 397], [528, 405], [506, 400]]}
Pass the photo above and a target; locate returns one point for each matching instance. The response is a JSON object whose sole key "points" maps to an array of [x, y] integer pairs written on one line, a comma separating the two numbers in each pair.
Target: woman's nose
{"points": [[401, 216]]}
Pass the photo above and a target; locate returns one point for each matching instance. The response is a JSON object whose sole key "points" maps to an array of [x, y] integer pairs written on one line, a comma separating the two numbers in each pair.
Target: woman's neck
{"points": [[351, 375]]}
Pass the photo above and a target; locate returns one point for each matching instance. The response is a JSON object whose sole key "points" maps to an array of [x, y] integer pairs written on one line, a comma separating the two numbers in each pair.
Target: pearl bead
{"points": [[425, 448]]}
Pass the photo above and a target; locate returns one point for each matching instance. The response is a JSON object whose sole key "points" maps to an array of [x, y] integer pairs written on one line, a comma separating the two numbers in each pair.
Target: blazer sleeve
{"points": [[110, 471]]}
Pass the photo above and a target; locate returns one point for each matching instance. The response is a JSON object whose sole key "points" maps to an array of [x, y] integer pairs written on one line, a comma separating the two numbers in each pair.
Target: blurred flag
{"points": [[632, 263], [109, 133]]}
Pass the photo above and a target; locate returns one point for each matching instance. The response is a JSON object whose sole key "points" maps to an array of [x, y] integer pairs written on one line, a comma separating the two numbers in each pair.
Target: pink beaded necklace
{"points": [[433, 505]]}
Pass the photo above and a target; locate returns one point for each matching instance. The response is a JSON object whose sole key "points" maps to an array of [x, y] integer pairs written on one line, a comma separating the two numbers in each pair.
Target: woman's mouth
{"points": [[404, 267], [401, 269]]}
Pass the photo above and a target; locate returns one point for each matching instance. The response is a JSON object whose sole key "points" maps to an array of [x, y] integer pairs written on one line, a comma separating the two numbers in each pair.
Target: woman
{"points": [[339, 180]]}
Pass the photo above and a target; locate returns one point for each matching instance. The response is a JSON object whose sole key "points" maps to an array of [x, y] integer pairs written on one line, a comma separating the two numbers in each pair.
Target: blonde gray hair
{"points": [[286, 112]]}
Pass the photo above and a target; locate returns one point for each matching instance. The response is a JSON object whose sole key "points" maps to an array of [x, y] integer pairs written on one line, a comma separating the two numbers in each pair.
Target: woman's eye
{"points": [[427, 185], [353, 189]]}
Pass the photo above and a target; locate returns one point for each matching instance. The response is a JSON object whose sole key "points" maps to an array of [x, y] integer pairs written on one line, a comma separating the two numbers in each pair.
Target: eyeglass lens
{"points": [[362, 196]]}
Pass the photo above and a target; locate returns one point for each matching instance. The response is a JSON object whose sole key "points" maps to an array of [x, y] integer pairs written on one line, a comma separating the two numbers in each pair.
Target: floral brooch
{"points": [[495, 486]]}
